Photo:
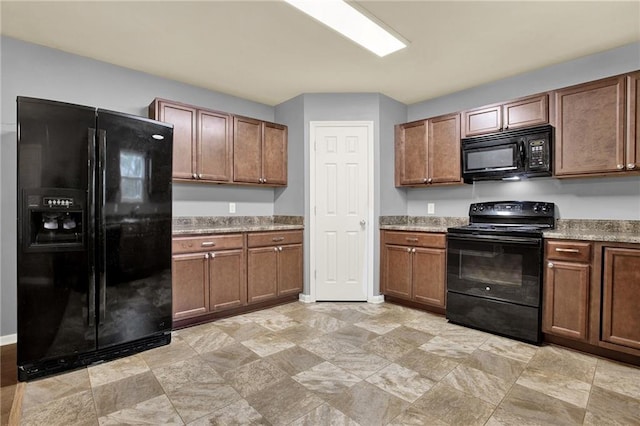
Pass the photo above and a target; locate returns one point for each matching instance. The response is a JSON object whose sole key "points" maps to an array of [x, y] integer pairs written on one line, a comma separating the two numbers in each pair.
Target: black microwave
{"points": [[508, 155]]}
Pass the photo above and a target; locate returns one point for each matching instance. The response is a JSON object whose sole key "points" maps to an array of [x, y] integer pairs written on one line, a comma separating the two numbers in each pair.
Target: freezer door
{"points": [[134, 219], [54, 258]]}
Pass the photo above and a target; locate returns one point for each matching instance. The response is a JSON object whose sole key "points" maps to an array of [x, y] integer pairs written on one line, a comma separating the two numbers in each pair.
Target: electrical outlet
{"points": [[232, 207], [431, 208]]}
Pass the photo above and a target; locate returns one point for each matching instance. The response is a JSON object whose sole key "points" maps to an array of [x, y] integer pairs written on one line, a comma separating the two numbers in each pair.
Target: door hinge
{"points": [[315, 274]]}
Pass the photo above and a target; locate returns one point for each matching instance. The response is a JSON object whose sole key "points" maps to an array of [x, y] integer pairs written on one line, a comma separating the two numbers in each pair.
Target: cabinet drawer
{"points": [[261, 239], [568, 250], [210, 243], [417, 239]]}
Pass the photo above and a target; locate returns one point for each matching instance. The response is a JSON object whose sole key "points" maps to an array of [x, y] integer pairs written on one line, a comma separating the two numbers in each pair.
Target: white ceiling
{"points": [[269, 52]]}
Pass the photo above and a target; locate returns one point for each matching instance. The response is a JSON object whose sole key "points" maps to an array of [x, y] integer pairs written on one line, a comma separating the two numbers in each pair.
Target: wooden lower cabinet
{"points": [[227, 288], [413, 268], [274, 265], [190, 285]]}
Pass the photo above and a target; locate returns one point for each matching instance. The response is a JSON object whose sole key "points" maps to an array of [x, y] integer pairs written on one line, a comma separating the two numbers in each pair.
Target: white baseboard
{"points": [[376, 299], [306, 298], [8, 339]]}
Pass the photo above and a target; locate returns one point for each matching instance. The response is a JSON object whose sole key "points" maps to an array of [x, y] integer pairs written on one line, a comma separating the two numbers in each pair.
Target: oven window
{"points": [[491, 267], [491, 158]]}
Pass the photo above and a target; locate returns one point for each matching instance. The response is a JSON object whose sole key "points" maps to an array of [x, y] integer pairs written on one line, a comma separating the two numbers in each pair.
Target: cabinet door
{"points": [[290, 270], [262, 277], [227, 286], [411, 153], [190, 285], [621, 293], [444, 149], [482, 120], [274, 161], [566, 299], [633, 122], [429, 276], [533, 111], [397, 271], [589, 136], [214, 146], [247, 150], [183, 119]]}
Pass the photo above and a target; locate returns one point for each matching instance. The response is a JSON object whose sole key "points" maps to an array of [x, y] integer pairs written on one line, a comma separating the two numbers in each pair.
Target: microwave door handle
{"points": [[521, 148]]}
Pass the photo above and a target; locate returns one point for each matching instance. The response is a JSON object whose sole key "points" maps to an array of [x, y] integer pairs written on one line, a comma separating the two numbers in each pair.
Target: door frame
{"points": [[368, 271]]}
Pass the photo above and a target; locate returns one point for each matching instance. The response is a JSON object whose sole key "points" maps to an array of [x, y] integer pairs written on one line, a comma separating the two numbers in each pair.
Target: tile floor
{"points": [[340, 364]]}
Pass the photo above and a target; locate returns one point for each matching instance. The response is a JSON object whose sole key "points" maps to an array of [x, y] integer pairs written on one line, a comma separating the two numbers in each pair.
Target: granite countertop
{"points": [[201, 225], [620, 231]]}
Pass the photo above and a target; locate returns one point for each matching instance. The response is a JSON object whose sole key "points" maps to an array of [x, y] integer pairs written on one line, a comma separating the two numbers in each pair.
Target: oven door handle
{"points": [[495, 238]]}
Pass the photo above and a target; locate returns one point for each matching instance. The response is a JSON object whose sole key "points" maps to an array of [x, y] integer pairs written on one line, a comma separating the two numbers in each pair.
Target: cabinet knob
{"points": [[275, 249], [631, 166], [506, 128], [280, 248], [620, 166], [425, 180], [429, 180], [195, 176], [206, 255], [212, 255], [413, 250], [264, 180], [408, 250], [200, 176], [550, 265]]}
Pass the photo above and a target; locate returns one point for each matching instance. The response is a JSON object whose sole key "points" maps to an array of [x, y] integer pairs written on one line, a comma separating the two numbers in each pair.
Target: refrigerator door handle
{"points": [[102, 152], [90, 230]]}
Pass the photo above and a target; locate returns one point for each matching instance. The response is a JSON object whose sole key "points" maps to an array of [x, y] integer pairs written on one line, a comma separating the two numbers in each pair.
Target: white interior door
{"points": [[341, 212]]}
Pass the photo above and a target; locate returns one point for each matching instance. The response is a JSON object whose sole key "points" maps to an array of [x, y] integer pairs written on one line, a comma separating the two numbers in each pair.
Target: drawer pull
{"points": [[412, 240], [567, 250], [276, 239], [208, 244]]}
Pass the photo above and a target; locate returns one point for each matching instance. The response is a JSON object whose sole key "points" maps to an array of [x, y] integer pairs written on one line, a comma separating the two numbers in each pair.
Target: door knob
{"points": [[363, 222]]}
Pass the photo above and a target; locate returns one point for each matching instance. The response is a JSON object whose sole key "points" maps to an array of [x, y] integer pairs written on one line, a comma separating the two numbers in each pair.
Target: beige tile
{"points": [[507, 369], [276, 321], [294, 360], [401, 382], [428, 364], [73, 410], [45, 390], [411, 335], [562, 387], [326, 347], [389, 347], [125, 393], [242, 331], [478, 383], [237, 413], [116, 370], [368, 404], [229, 357], [564, 361], [353, 335], [194, 402], [324, 415], [284, 402], [524, 406], [192, 372], [156, 411], [300, 333], [378, 325], [206, 338], [618, 377], [360, 362], [178, 350], [326, 378], [465, 336], [350, 316], [253, 377], [607, 407], [447, 349], [453, 406], [415, 417], [324, 323], [268, 344], [510, 348]]}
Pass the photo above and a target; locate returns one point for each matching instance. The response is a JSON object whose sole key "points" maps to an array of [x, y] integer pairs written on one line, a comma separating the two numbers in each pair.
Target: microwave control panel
{"points": [[537, 154]]}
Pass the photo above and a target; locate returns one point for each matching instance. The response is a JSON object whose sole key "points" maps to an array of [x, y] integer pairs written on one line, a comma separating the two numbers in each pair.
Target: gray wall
{"points": [[32, 70], [290, 200], [587, 198]]}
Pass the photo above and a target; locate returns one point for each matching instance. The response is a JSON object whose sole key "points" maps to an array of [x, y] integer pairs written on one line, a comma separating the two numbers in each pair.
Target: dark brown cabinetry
{"points": [[428, 152], [260, 152], [274, 265], [413, 268], [201, 141], [620, 296], [596, 128], [208, 275], [525, 112], [566, 289]]}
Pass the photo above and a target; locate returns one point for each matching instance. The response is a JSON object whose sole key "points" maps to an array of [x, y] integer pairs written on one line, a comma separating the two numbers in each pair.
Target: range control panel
{"points": [[513, 208]]}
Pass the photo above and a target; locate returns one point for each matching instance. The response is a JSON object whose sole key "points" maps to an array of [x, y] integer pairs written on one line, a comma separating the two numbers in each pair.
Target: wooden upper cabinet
{"points": [[428, 151], [259, 152], [247, 150], [275, 152], [525, 112], [589, 136], [183, 118], [632, 153], [214, 146]]}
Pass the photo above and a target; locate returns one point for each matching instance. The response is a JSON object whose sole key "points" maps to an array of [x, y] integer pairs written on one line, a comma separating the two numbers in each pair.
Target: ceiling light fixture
{"points": [[351, 23]]}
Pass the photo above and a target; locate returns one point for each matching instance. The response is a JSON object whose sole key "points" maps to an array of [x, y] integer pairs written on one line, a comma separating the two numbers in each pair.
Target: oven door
{"points": [[501, 268]]}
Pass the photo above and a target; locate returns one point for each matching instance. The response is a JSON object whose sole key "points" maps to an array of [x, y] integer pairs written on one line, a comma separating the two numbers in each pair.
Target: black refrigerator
{"points": [[94, 235]]}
